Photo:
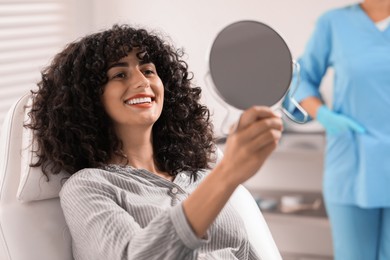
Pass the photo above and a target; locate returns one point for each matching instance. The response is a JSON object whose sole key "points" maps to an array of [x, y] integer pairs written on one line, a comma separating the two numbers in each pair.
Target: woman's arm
{"points": [[311, 105], [313, 63], [257, 135]]}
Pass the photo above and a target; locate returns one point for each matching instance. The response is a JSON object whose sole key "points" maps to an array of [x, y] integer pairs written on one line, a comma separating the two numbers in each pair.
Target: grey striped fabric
{"points": [[119, 212]]}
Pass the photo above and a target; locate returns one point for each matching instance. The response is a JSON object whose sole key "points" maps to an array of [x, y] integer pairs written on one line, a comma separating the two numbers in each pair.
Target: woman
{"points": [[355, 41], [117, 110]]}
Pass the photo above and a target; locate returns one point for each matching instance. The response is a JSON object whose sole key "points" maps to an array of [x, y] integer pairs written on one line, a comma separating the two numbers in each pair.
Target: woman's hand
{"points": [[248, 146], [255, 137], [335, 123]]}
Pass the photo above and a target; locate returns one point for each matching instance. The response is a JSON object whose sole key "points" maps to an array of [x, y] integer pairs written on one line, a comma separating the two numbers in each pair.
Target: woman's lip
{"points": [[143, 105], [140, 96]]}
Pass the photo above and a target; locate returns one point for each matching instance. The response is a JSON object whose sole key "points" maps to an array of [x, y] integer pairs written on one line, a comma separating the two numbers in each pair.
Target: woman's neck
{"points": [[137, 147], [377, 10]]}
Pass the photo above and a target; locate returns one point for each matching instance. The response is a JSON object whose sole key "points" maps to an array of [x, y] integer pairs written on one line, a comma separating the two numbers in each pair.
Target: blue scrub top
{"points": [[357, 166]]}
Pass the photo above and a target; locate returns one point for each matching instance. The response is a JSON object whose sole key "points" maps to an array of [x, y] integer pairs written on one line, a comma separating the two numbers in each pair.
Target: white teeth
{"points": [[138, 100]]}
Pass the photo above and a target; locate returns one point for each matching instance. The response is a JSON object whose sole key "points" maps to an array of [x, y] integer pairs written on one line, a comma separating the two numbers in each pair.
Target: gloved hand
{"points": [[336, 123]]}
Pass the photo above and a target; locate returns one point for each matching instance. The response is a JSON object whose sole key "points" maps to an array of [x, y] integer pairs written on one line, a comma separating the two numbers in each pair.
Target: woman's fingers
{"points": [[260, 127], [254, 114], [266, 139]]}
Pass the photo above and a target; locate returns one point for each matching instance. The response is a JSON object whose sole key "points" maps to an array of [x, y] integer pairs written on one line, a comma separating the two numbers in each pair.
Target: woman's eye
{"points": [[148, 72], [119, 75]]}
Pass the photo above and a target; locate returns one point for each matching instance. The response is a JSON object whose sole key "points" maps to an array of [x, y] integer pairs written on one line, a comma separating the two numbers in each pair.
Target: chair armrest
{"points": [[256, 227]]}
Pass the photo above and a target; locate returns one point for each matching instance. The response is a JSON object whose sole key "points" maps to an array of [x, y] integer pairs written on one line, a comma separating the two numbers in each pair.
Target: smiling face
{"points": [[134, 93]]}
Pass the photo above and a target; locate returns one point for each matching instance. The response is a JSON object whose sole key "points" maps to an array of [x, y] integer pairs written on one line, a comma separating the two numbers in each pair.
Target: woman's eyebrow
{"points": [[118, 64], [143, 62]]}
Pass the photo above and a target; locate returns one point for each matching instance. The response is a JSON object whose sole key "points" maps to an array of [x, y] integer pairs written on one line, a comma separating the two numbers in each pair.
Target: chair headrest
{"points": [[33, 183]]}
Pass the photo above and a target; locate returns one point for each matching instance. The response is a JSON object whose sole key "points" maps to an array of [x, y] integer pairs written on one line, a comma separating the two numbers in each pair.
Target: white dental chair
{"points": [[32, 225]]}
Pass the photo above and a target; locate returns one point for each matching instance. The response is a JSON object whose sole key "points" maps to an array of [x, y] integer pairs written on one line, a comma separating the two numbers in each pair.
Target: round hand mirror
{"points": [[250, 64]]}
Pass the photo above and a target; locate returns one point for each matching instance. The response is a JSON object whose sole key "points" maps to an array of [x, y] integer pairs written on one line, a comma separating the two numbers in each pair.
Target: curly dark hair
{"points": [[73, 130]]}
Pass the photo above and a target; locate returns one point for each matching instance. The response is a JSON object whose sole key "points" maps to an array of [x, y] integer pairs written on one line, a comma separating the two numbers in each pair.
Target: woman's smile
{"points": [[140, 100]]}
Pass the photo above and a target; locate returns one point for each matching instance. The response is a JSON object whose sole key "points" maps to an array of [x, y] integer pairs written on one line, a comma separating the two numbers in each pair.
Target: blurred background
{"points": [[32, 31]]}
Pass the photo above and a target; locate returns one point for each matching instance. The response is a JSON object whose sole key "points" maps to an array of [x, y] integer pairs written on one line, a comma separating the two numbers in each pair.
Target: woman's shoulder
{"points": [[337, 18], [87, 173], [85, 178], [339, 12]]}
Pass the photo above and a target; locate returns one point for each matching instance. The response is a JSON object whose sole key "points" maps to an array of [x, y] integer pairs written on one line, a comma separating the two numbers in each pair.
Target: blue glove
{"points": [[336, 123]]}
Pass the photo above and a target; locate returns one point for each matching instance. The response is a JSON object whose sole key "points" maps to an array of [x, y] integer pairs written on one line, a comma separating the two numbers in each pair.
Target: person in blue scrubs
{"points": [[355, 42]]}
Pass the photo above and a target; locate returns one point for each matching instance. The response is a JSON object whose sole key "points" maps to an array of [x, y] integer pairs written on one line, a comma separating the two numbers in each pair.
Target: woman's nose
{"points": [[139, 80]]}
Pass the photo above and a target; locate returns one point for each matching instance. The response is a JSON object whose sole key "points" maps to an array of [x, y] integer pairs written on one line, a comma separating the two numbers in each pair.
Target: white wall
{"points": [[31, 33], [194, 24]]}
